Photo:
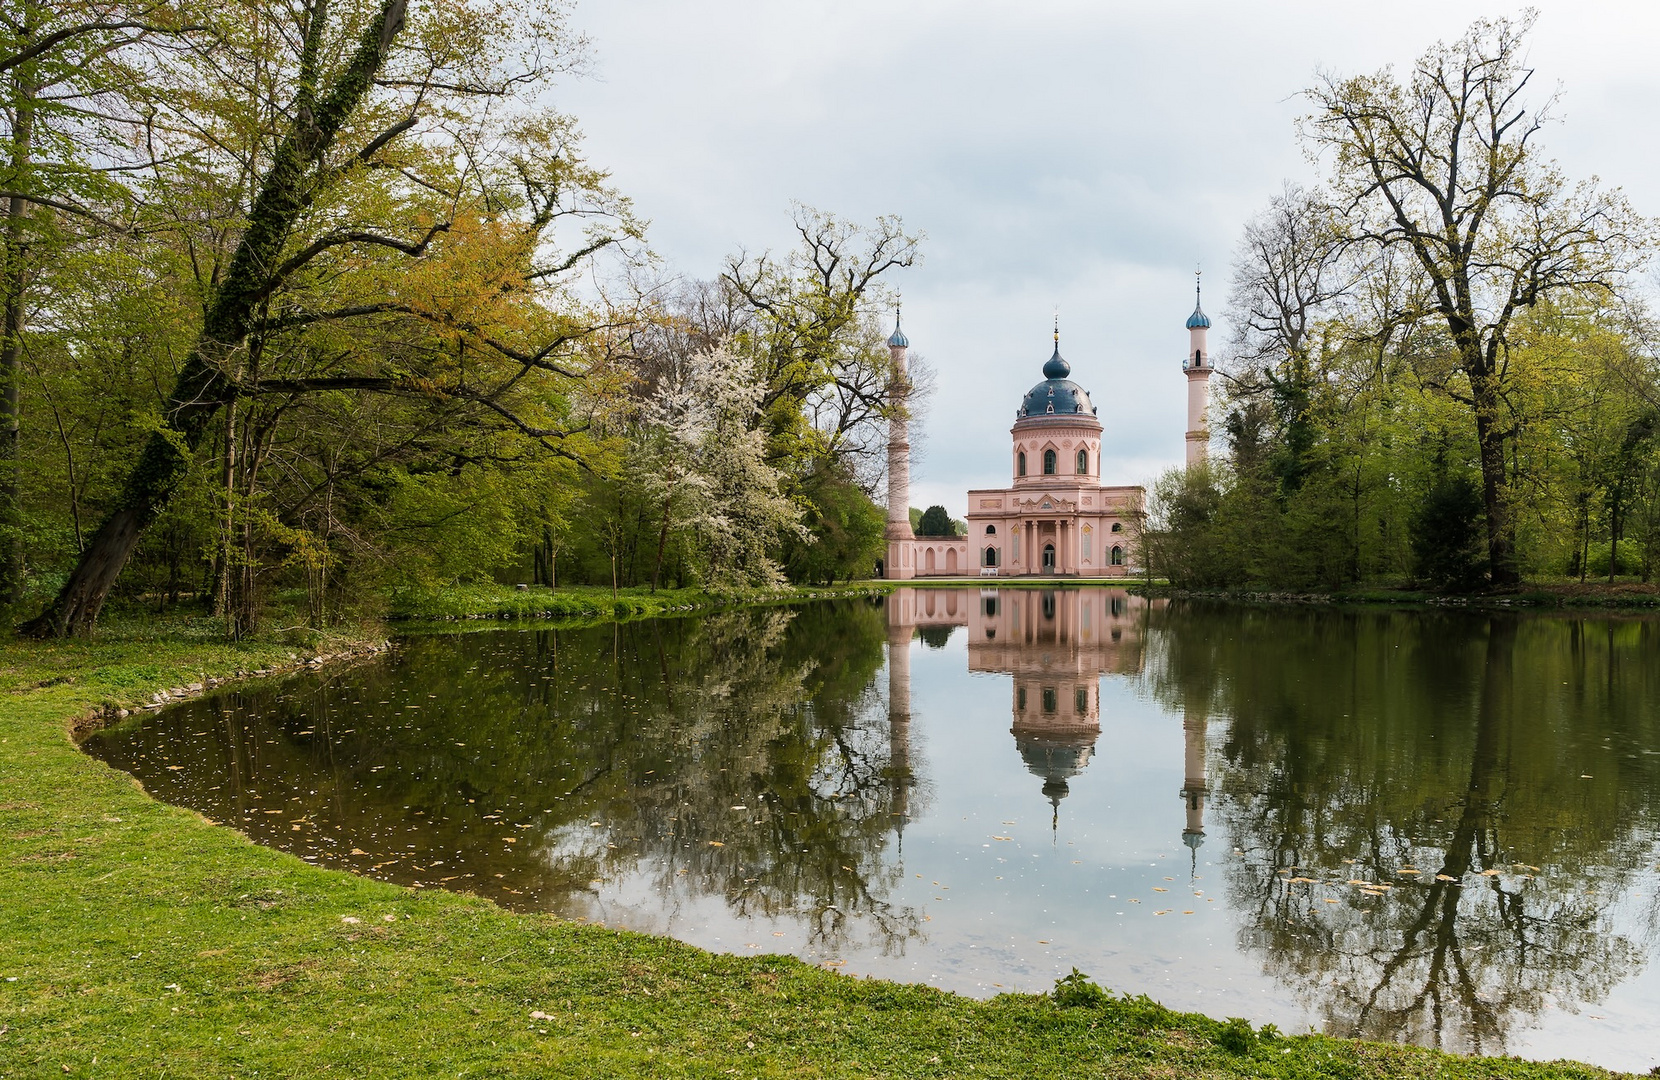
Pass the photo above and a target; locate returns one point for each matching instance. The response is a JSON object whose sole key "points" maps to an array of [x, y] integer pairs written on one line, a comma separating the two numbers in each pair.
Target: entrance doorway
{"points": [[1048, 558]]}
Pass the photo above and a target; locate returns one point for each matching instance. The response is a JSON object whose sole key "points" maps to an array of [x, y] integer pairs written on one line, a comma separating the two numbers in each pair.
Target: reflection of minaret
{"points": [[899, 721], [1193, 786]]}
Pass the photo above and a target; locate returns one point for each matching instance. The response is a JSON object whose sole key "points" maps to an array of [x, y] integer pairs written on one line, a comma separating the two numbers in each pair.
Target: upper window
{"points": [[1020, 464], [1048, 463], [1083, 462], [991, 530], [1117, 526]]}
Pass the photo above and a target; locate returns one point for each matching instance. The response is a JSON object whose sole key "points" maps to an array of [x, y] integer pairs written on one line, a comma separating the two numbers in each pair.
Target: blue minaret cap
{"points": [[1055, 367], [897, 339], [1198, 320]]}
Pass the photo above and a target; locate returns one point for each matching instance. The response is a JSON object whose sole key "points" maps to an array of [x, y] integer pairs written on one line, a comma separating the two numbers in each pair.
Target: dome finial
{"points": [[1057, 327], [897, 339], [1198, 320]]}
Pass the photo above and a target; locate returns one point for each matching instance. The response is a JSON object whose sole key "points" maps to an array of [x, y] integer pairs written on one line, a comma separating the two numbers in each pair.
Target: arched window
{"points": [[1081, 697], [1020, 464], [991, 557], [1117, 526], [1198, 358], [1048, 463], [991, 530], [1117, 555], [1049, 697], [1083, 462]]}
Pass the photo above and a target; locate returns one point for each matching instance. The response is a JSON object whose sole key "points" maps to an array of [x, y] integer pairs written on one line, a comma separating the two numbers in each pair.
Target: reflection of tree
{"points": [[1461, 747], [429, 765]]}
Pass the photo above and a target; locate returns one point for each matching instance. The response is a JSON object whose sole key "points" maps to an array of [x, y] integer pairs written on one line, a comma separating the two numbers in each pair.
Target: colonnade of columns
{"points": [[1032, 540]]}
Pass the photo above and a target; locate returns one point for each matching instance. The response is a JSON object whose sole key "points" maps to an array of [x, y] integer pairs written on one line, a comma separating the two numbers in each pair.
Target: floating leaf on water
{"points": [[716, 843], [1445, 877], [1408, 870], [1157, 888]]}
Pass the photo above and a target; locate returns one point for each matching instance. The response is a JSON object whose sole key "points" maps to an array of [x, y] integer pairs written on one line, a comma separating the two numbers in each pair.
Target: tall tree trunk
{"points": [[13, 280], [1495, 485], [662, 540], [227, 536], [202, 387]]}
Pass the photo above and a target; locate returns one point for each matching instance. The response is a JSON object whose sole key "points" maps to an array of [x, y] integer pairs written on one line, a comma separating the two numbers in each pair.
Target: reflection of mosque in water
{"points": [[1056, 643]]}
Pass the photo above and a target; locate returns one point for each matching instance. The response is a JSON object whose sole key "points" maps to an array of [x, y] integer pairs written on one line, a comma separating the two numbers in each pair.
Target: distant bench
{"points": [[988, 571]]}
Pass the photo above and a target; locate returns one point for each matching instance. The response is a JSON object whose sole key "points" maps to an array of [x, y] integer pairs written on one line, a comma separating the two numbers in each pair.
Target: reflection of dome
{"points": [[1055, 757], [1192, 839], [1056, 394]]}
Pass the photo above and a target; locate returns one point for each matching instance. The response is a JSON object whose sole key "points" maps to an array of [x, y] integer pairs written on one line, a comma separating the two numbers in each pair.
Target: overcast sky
{"points": [[1085, 155]]}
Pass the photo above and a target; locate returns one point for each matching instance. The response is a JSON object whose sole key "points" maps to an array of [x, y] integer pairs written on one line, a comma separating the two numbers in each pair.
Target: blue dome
{"points": [[1056, 395], [1198, 320], [897, 339]]}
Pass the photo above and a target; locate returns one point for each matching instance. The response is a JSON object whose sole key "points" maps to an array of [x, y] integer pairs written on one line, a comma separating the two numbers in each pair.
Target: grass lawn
{"points": [[139, 940]]}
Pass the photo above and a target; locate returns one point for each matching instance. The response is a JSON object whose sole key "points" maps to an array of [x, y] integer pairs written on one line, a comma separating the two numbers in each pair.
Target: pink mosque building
{"points": [[1057, 518]]}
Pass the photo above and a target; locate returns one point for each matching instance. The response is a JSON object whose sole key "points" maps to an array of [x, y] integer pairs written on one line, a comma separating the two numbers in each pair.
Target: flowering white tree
{"points": [[704, 458]]}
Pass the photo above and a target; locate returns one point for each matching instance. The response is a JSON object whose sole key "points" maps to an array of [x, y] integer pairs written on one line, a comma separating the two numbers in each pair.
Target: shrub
{"points": [[1076, 991], [1236, 1036]]}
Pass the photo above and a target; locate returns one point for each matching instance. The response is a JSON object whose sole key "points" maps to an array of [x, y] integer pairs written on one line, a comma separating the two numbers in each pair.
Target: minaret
{"points": [[899, 462], [1198, 367]]}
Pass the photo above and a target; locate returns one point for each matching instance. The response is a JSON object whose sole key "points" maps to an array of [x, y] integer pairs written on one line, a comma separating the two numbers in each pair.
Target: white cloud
{"points": [[1080, 154]]}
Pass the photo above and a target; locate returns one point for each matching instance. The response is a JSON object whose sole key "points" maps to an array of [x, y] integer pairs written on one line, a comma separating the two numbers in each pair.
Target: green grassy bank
{"points": [[139, 940], [1547, 595], [593, 601]]}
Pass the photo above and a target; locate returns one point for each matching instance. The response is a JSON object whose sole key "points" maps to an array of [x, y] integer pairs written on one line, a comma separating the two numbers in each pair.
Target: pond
{"points": [[1434, 826]]}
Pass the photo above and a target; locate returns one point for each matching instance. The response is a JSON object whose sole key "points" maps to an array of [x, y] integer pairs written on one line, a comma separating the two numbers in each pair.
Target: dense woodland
{"points": [[304, 303], [1441, 371]]}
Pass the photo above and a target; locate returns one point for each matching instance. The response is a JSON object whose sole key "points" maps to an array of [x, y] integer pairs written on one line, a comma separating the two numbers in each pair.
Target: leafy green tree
{"points": [[1447, 538], [1445, 172], [935, 521], [366, 260], [844, 531]]}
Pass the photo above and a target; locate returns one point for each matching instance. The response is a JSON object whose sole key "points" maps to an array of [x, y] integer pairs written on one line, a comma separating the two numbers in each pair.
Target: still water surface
{"points": [[1433, 826]]}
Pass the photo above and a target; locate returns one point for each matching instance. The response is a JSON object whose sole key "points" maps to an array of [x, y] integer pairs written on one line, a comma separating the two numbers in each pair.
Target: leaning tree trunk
{"points": [[203, 387]]}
